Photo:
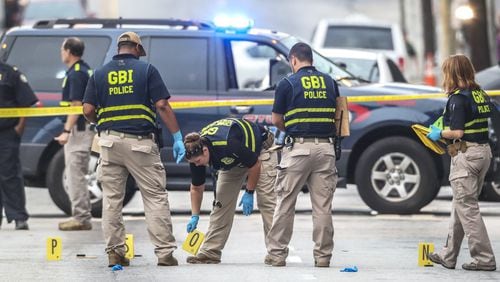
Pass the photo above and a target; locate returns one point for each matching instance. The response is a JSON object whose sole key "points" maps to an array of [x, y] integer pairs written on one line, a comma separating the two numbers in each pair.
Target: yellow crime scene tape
{"points": [[179, 105]]}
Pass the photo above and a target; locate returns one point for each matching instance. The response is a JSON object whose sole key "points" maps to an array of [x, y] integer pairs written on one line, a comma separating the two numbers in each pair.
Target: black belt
{"points": [[128, 135]]}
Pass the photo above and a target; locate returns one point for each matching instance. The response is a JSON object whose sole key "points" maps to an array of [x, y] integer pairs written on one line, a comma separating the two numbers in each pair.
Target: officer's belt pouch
{"points": [[269, 142], [460, 173], [141, 148], [105, 143], [80, 124], [456, 147]]}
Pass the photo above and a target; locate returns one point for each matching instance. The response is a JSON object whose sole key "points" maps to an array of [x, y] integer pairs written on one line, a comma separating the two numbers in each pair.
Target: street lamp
{"points": [[464, 13]]}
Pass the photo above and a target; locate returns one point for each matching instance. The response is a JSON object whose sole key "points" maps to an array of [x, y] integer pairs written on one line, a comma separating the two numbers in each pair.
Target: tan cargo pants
{"points": [[466, 178], [229, 184], [313, 164], [76, 159], [119, 157]]}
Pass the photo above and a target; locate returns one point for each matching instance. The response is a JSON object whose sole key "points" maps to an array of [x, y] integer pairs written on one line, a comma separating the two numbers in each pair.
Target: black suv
{"points": [[198, 61]]}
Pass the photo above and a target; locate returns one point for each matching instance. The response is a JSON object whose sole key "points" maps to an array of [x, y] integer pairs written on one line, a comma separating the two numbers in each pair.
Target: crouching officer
{"points": [[466, 127], [14, 92], [127, 93], [304, 107], [236, 148]]}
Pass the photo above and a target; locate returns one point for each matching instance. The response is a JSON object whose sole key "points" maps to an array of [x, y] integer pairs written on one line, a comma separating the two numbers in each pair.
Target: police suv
{"points": [[205, 61]]}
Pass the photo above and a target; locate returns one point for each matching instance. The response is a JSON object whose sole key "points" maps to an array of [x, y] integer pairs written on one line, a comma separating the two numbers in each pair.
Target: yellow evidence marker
{"points": [[424, 249], [193, 242], [54, 248], [129, 246]]}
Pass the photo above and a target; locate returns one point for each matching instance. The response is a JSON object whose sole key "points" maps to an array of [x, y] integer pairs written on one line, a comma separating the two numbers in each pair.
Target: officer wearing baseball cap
{"points": [[132, 37], [124, 97]]}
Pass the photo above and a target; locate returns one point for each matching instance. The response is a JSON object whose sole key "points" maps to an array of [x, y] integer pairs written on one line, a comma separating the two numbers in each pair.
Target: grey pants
{"points": [[141, 158], [229, 184], [76, 159], [313, 164], [466, 177]]}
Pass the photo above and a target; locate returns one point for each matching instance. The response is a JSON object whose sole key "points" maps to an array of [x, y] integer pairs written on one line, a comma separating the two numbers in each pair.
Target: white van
{"points": [[362, 34]]}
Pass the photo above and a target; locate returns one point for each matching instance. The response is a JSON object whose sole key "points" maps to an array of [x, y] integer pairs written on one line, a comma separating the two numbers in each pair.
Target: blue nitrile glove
{"points": [[349, 269], [178, 149], [193, 223], [247, 202], [435, 133]]}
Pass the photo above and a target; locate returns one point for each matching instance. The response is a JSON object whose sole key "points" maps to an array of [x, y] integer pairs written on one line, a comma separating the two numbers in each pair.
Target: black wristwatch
{"points": [[249, 191], [66, 131]]}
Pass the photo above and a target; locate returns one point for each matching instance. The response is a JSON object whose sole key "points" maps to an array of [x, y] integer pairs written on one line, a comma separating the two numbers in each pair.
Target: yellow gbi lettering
{"points": [[313, 81], [209, 131], [120, 77], [478, 96]]}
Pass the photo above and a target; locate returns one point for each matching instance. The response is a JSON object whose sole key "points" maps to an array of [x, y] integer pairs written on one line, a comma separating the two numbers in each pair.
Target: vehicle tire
{"points": [[491, 191], [56, 183], [396, 175]]}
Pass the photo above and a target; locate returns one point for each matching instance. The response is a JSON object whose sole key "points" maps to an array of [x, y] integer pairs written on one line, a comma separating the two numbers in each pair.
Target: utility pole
{"points": [[447, 39], [429, 28], [402, 15], [2, 15], [476, 35], [492, 31]]}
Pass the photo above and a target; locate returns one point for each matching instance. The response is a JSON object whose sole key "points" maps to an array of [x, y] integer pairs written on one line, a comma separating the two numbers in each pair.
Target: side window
{"points": [[374, 75], [252, 61], [39, 58], [182, 62], [397, 76]]}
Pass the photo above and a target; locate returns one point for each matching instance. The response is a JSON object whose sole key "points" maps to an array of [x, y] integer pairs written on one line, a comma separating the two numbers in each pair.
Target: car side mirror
{"points": [[277, 70], [342, 65]]}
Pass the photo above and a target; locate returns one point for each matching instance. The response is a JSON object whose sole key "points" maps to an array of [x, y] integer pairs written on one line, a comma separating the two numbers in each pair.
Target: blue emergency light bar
{"points": [[233, 23]]}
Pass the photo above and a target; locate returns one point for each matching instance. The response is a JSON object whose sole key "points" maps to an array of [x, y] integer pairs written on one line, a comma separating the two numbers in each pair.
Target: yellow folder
{"points": [[422, 132]]}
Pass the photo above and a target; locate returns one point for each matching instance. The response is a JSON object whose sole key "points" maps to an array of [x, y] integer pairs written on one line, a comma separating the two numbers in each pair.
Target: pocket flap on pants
{"points": [[300, 152], [264, 156], [458, 174], [105, 143], [141, 148]]}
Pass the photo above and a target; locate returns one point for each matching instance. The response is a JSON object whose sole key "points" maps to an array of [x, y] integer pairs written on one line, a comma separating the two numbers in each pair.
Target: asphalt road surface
{"points": [[382, 247]]}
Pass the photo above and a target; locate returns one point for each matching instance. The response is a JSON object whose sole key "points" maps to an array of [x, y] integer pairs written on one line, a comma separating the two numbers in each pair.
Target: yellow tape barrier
{"points": [[179, 105]]}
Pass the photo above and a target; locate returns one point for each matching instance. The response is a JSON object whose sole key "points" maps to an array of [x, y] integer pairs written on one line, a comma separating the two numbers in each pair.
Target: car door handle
{"points": [[241, 109]]}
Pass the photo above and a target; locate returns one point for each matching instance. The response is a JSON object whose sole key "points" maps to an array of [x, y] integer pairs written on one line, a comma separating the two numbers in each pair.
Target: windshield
{"points": [[363, 37], [364, 68], [323, 64], [53, 9]]}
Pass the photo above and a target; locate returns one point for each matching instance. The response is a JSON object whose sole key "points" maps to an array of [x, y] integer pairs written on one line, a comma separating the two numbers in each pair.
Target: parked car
{"points": [[370, 66], [489, 79], [393, 171], [362, 34]]}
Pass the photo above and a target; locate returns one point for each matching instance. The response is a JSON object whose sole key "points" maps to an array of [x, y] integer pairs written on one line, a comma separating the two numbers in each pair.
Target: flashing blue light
{"points": [[235, 23]]}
